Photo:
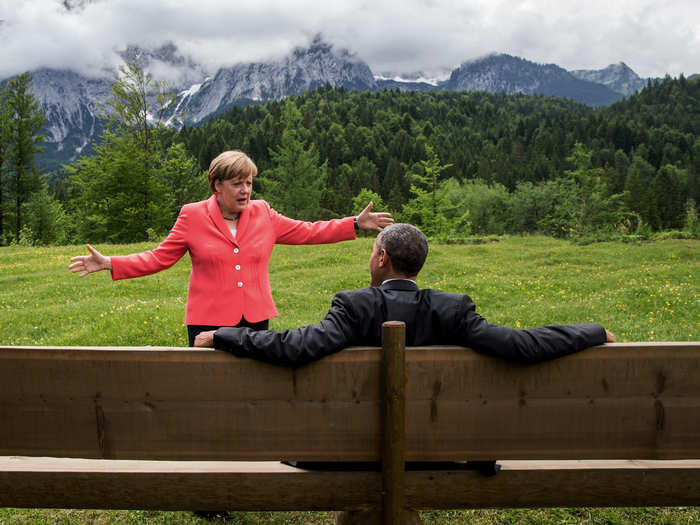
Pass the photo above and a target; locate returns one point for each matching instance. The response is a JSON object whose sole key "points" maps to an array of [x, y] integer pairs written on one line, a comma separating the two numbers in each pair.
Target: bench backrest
{"points": [[622, 401]]}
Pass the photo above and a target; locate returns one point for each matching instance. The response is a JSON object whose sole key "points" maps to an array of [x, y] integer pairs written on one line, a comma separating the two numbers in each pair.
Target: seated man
{"points": [[432, 317]]}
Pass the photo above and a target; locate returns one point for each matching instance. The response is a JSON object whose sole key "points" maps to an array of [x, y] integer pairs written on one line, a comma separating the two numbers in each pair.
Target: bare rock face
{"points": [[73, 103], [500, 73], [300, 71], [618, 77]]}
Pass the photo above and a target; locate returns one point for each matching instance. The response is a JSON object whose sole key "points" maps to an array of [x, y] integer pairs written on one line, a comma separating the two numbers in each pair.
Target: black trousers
{"points": [[194, 329]]}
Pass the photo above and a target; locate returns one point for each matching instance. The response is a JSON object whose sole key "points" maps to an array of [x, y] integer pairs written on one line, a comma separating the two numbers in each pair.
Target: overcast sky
{"points": [[653, 37]]}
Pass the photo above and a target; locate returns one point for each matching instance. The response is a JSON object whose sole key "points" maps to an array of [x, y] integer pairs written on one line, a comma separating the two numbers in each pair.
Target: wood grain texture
{"points": [[394, 421], [617, 401], [182, 485]]}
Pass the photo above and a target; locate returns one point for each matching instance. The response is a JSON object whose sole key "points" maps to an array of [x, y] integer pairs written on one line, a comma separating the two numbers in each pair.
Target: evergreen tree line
{"points": [[453, 163], [477, 162]]}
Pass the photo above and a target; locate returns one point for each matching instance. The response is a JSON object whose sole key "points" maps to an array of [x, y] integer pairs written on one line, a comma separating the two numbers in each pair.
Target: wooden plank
{"points": [[618, 401], [179, 485], [560, 484], [167, 485], [184, 404]]}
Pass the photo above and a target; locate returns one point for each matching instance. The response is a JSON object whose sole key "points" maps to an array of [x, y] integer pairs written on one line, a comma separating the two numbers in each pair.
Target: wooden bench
{"points": [[177, 428]]}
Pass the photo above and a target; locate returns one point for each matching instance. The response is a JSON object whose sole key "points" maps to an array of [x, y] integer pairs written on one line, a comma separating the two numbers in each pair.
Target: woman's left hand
{"points": [[373, 221]]}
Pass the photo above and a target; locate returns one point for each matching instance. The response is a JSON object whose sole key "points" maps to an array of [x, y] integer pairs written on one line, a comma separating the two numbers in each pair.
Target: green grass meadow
{"points": [[642, 292]]}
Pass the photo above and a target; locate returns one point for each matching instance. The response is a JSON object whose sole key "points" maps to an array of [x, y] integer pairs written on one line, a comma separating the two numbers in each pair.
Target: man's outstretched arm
{"points": [[292, 348], [531, 345]]}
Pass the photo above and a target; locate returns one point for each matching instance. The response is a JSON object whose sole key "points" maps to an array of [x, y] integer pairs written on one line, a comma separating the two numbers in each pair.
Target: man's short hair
{"points": [[406, 246]]}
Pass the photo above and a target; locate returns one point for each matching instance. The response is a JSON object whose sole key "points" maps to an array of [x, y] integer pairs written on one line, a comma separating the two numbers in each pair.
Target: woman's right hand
{"points": [[90, 263]]}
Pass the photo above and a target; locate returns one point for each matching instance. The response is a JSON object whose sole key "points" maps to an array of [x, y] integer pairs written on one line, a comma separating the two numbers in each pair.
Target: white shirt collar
{"points": [[399, 279]]}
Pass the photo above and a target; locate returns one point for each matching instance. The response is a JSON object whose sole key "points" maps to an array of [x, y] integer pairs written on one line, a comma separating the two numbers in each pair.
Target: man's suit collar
{"points": [[399, 284]]}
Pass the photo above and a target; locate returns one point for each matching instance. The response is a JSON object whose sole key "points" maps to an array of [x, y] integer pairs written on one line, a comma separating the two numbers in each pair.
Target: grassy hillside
{"points": [[641, 292]]}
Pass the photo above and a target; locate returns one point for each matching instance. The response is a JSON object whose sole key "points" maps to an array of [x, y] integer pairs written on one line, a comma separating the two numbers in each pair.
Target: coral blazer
{"points": [[229, 276]]}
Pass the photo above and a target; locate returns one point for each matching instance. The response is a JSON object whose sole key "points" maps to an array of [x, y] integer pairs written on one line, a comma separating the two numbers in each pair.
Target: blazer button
{"points": [[238, 267], [240, 284], [235, 250]]}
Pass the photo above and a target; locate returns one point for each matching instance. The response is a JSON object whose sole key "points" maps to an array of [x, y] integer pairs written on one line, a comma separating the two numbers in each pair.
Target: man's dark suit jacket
{"points": [[432, 318]]}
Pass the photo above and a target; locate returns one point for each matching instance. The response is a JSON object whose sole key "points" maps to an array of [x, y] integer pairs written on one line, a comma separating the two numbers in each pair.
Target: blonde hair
{"points": [[232, 164]]}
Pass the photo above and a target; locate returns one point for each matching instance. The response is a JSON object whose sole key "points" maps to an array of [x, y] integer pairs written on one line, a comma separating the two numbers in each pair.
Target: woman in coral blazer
{"points": [[230, 240]]}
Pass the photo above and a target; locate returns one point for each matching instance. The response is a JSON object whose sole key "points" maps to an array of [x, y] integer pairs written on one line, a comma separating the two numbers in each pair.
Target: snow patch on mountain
{"points": [[433, 78]]}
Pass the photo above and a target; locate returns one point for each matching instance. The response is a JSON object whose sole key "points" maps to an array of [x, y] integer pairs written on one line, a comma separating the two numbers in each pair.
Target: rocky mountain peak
{"points": [[618, 77], [509, 74], [501, 72], [302, 70], [320, 49], [318, 45]]}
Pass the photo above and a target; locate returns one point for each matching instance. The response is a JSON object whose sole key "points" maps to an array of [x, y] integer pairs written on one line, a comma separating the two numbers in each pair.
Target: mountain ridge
{"points": [[302, 70], [73, 102], [506, 73]]}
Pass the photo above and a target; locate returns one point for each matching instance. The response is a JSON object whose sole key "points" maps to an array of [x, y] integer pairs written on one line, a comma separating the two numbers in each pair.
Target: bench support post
{"points": [[394, 434]]}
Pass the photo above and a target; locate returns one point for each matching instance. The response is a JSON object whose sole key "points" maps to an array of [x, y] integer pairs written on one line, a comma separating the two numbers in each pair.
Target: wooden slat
{"points": [[630, 401], [184, 404], [125, 484], [612, 483], [619, 401]]}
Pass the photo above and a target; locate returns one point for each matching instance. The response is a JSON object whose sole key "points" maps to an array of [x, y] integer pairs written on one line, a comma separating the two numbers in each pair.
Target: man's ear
{"points": [[383, 259]]}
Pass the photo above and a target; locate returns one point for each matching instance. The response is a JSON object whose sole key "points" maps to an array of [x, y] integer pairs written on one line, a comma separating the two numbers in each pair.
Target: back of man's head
{"points": [[406, 246]]}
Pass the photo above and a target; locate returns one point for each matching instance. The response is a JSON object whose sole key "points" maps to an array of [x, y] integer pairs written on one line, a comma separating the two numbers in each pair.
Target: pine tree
{"points": [[588, 206], [668, 197], [134, 96], [181, 175], [426, 207], [23, 142], [4, 140], [638, 192], [619, 173], [47, 221], [131, 188], [295, 183]]}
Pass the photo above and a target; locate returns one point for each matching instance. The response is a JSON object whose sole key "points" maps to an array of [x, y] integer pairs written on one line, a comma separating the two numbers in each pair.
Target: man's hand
{"points": [[205, 339], [610, 337], [367, 220]]}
